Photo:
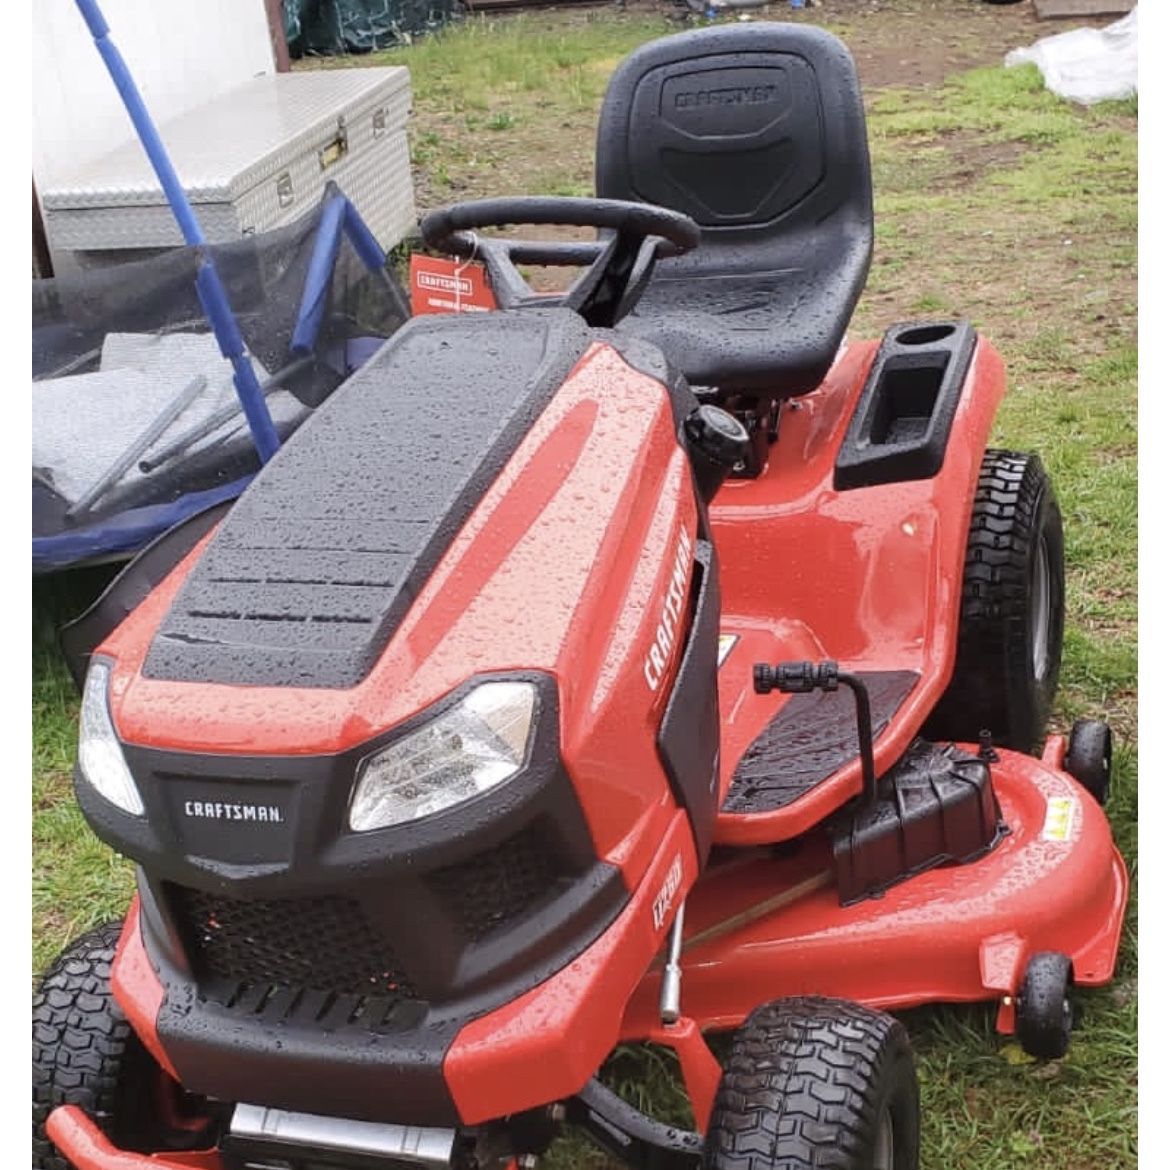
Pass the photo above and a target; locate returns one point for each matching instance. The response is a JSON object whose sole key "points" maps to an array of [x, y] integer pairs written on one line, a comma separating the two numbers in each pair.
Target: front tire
{"points": [[816, 1084], [84, 1051], [1011, 621]]}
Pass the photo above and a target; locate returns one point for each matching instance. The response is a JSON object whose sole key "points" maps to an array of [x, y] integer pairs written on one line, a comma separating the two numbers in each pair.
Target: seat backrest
{"points": [[756, 131]]}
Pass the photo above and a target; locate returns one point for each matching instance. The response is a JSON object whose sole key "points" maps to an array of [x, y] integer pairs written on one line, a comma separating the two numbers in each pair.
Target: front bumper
{"points": [[336, 968], [87, 1148]]}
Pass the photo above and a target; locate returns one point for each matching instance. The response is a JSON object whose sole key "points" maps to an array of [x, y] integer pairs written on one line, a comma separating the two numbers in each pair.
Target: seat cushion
{"points": [[766, 332]]}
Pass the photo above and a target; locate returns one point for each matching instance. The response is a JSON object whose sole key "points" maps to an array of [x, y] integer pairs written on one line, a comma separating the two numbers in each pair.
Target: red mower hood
{"points": [[489, 494]]}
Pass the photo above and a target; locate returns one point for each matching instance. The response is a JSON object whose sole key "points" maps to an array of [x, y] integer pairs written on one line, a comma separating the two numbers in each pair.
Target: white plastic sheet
{"points": [[82, 423], [1087, 65]]}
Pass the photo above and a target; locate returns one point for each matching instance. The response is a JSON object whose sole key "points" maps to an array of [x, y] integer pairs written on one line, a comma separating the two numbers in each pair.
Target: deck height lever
{"points": [[794, 678], [669, 999]]}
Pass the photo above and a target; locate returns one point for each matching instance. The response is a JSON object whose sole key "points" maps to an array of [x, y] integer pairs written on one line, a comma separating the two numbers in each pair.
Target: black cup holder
{"points": [[902, 422], [924, 334]]}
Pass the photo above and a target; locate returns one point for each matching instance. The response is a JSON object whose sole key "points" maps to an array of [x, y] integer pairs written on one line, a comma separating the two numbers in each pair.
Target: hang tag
{"points": [[442, 285]]}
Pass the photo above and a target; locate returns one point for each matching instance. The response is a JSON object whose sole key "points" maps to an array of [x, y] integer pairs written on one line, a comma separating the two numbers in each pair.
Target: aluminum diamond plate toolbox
{"points": [[254, 159]]}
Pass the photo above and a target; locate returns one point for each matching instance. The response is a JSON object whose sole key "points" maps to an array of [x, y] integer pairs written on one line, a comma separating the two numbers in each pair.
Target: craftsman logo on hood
{"points": [[658, 657]]}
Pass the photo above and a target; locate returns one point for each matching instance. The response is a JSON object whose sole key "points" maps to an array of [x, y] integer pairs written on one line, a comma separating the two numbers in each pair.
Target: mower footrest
{"points": [[811, 737], [935, 806]]}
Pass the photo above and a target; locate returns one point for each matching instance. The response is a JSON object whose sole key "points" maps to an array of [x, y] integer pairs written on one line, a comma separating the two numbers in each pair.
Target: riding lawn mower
{"points": [[641, 663]]}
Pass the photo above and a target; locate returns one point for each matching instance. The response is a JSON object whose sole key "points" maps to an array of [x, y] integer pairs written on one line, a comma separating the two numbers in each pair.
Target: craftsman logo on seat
{"points": [[658, 657], [214, 810], [736, 95]]}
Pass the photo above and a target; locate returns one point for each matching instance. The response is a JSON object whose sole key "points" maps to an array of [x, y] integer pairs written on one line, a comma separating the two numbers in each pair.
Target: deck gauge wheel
{"points": [[1044, 1015], [1089, 759]]}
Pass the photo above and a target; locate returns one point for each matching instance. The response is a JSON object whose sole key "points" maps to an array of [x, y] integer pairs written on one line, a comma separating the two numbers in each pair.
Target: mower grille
{"points": [[319, 944], [500, 884]]}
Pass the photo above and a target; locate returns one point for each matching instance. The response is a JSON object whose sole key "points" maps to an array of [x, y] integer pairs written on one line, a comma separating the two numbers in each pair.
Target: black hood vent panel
{"points": [[317, 563]]}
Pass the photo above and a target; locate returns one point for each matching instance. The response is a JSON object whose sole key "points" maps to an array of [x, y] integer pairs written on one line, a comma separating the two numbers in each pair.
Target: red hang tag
{"points": [[442, 285]]}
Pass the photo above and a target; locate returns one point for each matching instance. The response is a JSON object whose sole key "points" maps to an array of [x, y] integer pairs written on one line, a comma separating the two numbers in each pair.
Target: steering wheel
{"points": [[618, 264]]}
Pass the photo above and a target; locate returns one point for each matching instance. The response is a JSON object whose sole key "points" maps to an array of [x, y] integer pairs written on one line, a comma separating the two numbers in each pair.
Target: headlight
{"points": [[99, 754], [471, 748]]}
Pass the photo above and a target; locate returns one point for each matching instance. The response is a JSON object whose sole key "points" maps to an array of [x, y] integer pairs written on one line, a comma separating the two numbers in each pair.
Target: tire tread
{"points": [[80, 1039], [1013, 498], [800, 1089]]}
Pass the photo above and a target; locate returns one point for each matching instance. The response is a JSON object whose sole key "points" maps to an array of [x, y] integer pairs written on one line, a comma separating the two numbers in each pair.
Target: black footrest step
{"points": [[812, 736]]}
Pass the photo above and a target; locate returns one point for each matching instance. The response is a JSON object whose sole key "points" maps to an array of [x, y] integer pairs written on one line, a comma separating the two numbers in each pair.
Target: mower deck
{"points": [[761, 927]]}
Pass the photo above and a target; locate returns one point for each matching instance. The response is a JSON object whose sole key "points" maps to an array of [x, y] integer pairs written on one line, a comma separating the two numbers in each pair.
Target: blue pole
{"points": [[212, 294], [370, 253], [321, 263], [366, 246]]}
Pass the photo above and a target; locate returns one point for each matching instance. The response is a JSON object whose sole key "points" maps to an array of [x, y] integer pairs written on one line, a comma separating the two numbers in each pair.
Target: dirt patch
{"points": [[896, 43], [922, 42], [969, 158]]}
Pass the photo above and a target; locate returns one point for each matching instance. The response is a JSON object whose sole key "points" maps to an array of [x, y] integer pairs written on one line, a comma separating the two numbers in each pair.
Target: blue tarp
{"points": [[136, 425], [329, 27]]}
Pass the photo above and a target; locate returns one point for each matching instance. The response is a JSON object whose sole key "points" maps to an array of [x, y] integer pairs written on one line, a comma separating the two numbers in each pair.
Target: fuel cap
{"points": [[720, 436]]}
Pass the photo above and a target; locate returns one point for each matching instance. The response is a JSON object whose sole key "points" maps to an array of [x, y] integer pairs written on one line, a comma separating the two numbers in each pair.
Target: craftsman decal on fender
{"points": [[1058, 823], [670, 885], [658, 657]]}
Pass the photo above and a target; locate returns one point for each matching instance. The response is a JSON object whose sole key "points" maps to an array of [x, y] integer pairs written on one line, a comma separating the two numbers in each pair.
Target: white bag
{"points": [[1087, 65]]}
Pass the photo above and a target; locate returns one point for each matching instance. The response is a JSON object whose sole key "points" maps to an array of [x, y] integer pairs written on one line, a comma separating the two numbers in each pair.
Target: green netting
{"points": [[359, 26]]}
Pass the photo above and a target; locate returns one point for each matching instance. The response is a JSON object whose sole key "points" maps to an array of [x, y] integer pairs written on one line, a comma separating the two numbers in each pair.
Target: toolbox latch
{"points": [[284, 190], [336, 148]]}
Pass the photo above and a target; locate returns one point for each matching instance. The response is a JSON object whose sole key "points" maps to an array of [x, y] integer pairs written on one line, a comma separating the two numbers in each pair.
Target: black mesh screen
{"points": [[500, 884], [324, 944], [134, 406]]}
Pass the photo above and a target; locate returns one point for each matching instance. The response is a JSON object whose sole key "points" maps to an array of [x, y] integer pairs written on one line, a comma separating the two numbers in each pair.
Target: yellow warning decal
{"points": [[1058, 823], [726, 641]]}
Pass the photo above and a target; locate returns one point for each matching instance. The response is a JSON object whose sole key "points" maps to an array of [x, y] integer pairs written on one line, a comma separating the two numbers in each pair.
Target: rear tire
{"points": [[1011, 621], [84, 1051], [816, 1084]]}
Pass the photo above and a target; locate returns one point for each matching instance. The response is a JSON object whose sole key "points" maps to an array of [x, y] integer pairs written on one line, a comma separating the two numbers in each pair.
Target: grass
{"points": [[77, 881], [994, 201], [539, 80]]}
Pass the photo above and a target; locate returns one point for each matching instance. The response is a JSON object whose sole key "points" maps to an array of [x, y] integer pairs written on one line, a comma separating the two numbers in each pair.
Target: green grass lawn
{"points": [[995, 201]]}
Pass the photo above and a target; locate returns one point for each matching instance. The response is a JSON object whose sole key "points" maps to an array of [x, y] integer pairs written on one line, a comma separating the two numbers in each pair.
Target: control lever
{"points": [[796, 678]]}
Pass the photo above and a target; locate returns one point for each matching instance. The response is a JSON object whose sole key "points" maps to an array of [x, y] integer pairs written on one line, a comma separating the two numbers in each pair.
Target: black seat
{"points": [[757, 132]]}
